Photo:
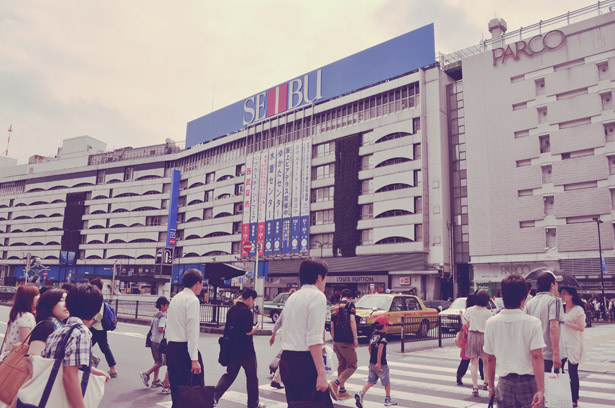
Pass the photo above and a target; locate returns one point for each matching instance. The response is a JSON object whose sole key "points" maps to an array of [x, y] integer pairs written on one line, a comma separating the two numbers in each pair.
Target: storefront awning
{"points": [[221, 271]]}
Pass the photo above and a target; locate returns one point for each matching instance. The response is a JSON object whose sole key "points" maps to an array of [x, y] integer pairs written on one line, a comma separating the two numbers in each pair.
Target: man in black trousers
{"points": [[239, 329], [183, 330], [302, 366]]}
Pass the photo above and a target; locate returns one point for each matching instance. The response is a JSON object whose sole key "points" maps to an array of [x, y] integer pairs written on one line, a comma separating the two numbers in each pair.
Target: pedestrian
{"points": [[612, 310], [476, 317], [184, 360], [83, 303], [462, 369], [51, 312], [276, 381], [572, 336], [157, 327], [21, 318], [345, 343], [239, 329], [513, 346], [99, 334], [378, 367], [547, 307], [302, 366]]}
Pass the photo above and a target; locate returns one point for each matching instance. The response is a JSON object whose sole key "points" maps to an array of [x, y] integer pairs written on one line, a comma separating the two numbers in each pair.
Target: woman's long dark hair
{"points": [[23, 300], [470, 300], [48, 300], [576, 299]]}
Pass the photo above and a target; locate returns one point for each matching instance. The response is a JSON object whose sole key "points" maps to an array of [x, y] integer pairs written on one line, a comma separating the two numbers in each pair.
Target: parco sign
{"points": [[535, 45]]}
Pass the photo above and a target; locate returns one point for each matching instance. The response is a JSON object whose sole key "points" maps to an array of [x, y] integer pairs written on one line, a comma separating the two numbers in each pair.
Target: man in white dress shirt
{"points": [[513, 344], [183, 329], [302, 366]]}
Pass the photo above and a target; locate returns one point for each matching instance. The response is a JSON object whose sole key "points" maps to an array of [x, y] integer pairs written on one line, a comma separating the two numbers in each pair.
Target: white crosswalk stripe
{"points": [[427, 383]]}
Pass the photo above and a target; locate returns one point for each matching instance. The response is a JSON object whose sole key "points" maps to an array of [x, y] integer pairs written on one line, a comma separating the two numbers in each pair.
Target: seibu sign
{"points": [[535, 45]]}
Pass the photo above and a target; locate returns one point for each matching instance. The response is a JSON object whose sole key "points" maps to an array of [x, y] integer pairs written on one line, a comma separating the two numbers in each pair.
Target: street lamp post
{"points": [[602, 266], [319, 246]]}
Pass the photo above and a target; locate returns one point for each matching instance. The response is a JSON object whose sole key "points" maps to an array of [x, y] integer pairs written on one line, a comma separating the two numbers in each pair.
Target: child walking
{"points": [[159, 322], [378, 367]]}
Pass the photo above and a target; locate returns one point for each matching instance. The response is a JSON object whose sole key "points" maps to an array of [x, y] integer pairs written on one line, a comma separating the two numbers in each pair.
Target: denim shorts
{"points": [[383, 374]]}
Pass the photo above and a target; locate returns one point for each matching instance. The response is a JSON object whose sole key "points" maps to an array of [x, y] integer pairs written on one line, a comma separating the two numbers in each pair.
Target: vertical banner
{"points": [[262, 203], [295, 229], [269, 216], [256, 181], [286, 204], [173, 203], [279, 189], [247, 189], [306, 179]]}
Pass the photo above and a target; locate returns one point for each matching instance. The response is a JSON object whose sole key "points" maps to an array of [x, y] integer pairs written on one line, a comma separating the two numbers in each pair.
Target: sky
{"points": [[134, 73]]}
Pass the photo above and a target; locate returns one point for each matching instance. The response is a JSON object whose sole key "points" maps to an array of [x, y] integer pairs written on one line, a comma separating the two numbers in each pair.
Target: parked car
{"points": [[7, 292], [450, 318], [437, 304], [393, 306], [273, 308]]}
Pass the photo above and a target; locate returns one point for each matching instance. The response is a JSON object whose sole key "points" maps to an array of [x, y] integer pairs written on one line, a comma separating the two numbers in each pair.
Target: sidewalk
{"points": [[599, 350]]}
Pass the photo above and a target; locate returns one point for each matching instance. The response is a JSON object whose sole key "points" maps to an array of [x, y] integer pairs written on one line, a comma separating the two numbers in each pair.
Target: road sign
{"points": [[44, 274], [167, 258], [246, 246]]}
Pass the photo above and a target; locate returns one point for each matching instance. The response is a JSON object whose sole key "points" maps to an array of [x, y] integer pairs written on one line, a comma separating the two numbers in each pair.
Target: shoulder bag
{"points": [[224, 346], [14, 369], [195, 395], [46, 388]]}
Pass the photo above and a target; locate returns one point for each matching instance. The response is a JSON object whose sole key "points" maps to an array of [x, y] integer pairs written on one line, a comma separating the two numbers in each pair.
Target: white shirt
{"points": [[305, 313], [23, 320], [510, 336], [183, 321], [573, 339], [477, 316]]}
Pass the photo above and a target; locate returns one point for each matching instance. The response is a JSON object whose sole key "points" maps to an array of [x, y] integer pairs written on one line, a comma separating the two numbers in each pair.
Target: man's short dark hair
{"points": [[310, 269], [97, 282], [514, 290], [249, 293], [544, 281], [482, 298], [192, 277], [84, 301], [347, 293], [161, 301]]}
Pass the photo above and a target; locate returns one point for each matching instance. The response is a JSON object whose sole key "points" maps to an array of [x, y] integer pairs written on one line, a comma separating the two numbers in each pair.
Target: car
{"points": [[393, 306], [499, 302], [273, 308], [437, 304], [450, 319]]}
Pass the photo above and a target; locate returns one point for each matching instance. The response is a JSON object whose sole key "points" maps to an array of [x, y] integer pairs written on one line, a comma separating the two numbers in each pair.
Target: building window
{"points": [[322, 217], [416, 124], [367, 237], [609, 131], [366, 186], [418, 205], [322, 172], [208, 213], [209, 195], [322, 194], [100, 177], [239, 189], [237, 228], [550, 235], [546, 174], [418, 232], [238, 208], [545, 144], [210, 178], [611, 160], [603, 70], [549, 205], [152, 221], [128, 172], [367, 211], [240, 170], [236, 248], [540, 86], [542, 114]]}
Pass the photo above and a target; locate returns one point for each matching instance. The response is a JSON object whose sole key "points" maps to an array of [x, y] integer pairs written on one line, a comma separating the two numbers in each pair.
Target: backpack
{"points": [[342, 321], [109, 319]]}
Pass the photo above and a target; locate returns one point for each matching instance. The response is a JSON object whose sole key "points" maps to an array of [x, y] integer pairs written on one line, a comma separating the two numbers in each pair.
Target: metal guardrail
{"points": [[422, 328], [210, 315]]}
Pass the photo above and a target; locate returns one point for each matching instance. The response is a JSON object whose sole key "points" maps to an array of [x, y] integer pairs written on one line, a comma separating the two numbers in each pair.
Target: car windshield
{"points": [[372, 301], [459, 303]]}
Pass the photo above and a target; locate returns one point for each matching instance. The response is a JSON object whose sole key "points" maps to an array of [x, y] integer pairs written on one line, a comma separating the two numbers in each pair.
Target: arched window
{"points": [[393, 240], [394, 160], [392, 136], [393, 187], [393, 213]]}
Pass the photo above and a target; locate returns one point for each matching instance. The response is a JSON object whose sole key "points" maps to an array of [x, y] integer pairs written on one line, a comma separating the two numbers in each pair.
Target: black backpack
{"points": [[342, 322]]}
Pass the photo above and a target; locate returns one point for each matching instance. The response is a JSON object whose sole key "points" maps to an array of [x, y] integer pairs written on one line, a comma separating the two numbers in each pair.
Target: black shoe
{"points": [[277, 385], [459, 382]]}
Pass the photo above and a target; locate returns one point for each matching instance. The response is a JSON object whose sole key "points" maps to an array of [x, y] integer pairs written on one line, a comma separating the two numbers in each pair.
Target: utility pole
{"points": [[602, 264]]}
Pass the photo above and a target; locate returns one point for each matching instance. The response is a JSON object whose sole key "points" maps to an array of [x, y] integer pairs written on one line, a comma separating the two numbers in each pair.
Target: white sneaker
{"points": [[165, 390], [157, 383], [389, 402], [145, 378]]}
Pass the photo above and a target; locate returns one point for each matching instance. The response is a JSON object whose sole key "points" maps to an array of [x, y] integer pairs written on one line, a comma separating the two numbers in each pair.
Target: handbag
{"points": [[148, 338], [557, 390], [14, 369], [46, 387], [195, 395], [460, 338], [224, 342], [162, 349]]}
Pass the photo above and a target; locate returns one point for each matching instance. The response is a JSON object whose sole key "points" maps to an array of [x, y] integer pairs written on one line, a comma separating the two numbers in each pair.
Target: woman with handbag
{"points": [[572, 336], [21, 319], [465, 361], [476, 317], [51, 312]]}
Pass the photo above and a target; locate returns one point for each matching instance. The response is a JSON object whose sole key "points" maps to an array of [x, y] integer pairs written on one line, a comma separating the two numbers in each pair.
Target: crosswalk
{"points": [[426, 382]]}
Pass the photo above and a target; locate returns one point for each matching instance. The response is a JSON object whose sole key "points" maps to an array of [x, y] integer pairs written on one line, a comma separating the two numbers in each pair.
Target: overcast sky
{"points": [[134, 73]]}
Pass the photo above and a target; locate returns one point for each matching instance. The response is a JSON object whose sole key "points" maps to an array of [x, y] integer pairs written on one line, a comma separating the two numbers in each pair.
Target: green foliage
{"points": [[346, 211]]}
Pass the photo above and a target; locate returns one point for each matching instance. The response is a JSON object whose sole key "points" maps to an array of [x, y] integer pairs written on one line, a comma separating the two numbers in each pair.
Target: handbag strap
{"points": [[59, 358]]}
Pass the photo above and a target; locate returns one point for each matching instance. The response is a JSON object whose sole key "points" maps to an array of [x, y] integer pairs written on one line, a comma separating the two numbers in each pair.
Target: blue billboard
{"points": [[173, 204], [389, 59]]}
